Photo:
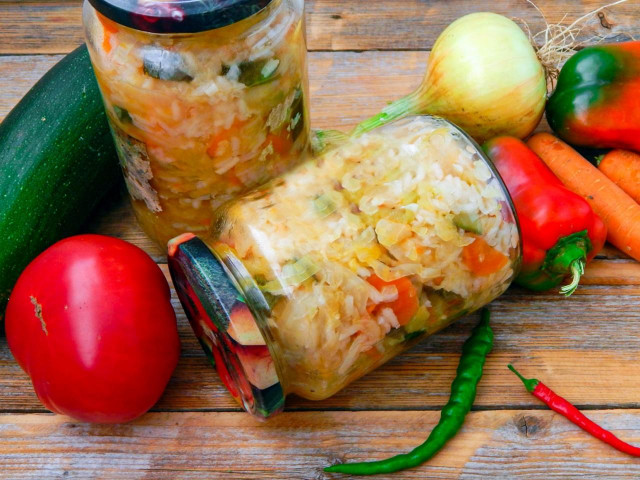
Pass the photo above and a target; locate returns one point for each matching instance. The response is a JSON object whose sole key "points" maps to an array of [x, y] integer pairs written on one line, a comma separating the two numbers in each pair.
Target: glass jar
{"points": [[205, 99], [352, 257]]}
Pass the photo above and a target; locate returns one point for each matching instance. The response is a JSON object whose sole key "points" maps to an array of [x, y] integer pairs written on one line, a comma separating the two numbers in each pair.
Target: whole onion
{"points": [[483, 75]]}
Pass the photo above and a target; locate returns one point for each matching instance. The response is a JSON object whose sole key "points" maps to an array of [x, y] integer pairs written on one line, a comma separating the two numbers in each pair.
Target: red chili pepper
{"points": [[560, 231], [566, 409]]}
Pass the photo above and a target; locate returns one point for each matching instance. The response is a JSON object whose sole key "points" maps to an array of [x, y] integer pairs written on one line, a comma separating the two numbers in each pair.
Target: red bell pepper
{"points": [[560, 231]]}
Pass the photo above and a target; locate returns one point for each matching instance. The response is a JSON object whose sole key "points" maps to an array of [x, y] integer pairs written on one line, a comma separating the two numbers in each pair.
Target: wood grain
{"points": [[518, 445], [56, 26]]}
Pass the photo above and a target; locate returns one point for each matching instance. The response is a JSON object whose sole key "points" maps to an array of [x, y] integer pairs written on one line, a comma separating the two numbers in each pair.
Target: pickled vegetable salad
{"points": [[202, 117], [415, 231]]}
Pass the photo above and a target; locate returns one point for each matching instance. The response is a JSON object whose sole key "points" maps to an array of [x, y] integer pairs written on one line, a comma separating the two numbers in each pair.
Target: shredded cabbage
{"points": [[293, 273]]}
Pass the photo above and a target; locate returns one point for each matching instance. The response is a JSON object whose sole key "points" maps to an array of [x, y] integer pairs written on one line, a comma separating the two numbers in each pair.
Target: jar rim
{"points": [[178, 16]]}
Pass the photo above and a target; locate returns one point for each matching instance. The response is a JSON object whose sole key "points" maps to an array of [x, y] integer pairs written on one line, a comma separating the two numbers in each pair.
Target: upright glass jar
{"points": [[206, 99], [350, 258]]}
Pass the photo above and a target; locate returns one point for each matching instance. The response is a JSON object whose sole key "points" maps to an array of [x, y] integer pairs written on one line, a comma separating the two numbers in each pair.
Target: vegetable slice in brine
{"points": [[164, 65], [252, 73]]}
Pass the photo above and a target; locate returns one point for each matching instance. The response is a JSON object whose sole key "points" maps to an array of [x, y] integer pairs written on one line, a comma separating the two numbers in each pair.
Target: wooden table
{"points": [[586, 346]]}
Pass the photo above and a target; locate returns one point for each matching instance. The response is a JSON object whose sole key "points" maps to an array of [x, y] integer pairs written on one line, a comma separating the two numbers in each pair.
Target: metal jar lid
{"points": [[225, 325], [177, 16]]}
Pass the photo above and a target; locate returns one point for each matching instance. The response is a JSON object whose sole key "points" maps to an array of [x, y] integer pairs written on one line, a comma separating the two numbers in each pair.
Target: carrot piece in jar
{"points": [[373, 353], [109, 27], [405, 306], [280, 144], [482, 259], [224, 136]]}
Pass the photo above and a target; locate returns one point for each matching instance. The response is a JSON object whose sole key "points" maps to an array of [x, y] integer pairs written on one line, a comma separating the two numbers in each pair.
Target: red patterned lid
{"points": [[225, 323]]}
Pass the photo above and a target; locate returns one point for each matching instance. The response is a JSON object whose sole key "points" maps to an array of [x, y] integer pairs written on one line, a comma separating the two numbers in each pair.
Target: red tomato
{"points": [[90, 320]]}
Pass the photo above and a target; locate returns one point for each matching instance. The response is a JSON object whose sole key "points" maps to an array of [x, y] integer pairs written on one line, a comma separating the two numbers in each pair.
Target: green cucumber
{"points": [[57, 161]]}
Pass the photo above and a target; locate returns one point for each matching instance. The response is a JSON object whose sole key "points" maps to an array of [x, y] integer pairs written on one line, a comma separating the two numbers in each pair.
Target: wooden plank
{"points": [[40, 27], [609, 272], [416, 24], [609, 251], [345, 87], [582, 346], [18, 75], [56, 26], [514, 444]]}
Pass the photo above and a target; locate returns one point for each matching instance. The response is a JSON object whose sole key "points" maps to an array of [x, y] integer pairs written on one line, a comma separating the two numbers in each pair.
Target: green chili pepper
{"points": [[463, 393]]}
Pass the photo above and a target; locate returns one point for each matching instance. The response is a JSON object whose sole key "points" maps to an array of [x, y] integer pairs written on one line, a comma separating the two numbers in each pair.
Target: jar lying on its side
{"points": [[205, 100], [349, 259]]}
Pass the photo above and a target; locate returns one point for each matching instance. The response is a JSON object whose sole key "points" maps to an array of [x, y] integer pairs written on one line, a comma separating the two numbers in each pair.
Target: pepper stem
{"points": [[568, 256], [529, 383], [577, 270]]}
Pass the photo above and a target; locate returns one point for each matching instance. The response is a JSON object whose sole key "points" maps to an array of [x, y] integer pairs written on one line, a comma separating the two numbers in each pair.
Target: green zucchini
{"points": [[57, 161]]}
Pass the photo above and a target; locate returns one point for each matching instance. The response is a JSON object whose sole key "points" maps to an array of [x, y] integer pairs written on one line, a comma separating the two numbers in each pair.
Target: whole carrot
{"points": [[619, 212], [623, 168]]}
